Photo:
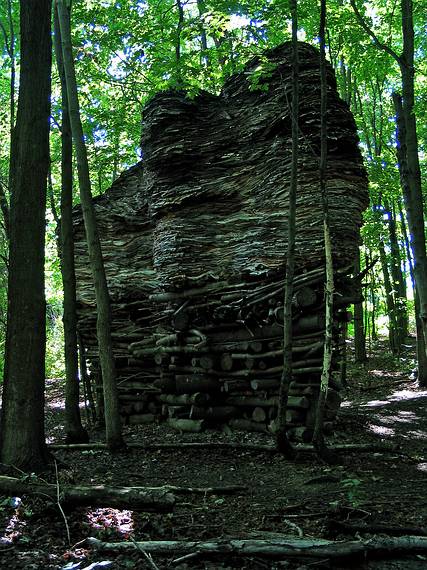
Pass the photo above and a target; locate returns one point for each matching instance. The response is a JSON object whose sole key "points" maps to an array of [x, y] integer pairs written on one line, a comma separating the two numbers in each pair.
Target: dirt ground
{"points": [[295, 498]]}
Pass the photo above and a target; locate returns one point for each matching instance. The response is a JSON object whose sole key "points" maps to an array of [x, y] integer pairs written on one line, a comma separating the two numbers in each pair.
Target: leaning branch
{"points": [[379, 44]]}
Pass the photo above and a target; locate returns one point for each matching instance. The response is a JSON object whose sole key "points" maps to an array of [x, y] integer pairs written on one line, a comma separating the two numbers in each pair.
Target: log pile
{"points": [[194, 242]]}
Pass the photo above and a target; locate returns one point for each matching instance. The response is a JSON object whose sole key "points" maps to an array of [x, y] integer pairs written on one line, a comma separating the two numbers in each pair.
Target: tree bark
{"points": [[272, 547], [106, 357], [359, 330], [282, 441], [143, 498], [399, 285], [421, 349], [75, 432], [391, 309], [22, 422], [412, 191], [318, 436]]}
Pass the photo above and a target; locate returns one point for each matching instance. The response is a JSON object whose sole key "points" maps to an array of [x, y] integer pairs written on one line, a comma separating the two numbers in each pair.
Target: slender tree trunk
{"points": [[282, 441], [359, 330], [391, 309], [9, 38], [179, 30], [398, 282], [84, 375], [203, 38], [22, 422], [75, 432], [106, 358], [11, 53], [318, 437]]}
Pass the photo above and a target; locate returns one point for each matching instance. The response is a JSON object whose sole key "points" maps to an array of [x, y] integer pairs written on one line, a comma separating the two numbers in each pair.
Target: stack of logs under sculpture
{"points": [[194, 242]]}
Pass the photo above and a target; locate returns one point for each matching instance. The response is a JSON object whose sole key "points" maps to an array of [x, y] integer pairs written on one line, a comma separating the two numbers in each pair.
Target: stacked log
{"points": [[194, 242], [223, 368]]}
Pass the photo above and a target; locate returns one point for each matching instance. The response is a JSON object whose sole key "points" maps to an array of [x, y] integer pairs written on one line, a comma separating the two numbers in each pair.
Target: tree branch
{"points": [[371, 34]]}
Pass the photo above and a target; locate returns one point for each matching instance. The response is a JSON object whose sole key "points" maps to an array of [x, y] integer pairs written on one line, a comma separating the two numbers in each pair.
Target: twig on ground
{"points": [[148, 557], [295, 527], [58, 502], [184, 558]]}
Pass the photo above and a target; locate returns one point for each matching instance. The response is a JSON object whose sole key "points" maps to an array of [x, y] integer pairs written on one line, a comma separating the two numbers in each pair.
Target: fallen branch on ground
{"points": [[226, 490], [359, 447], [137, 498], [274, 547]]}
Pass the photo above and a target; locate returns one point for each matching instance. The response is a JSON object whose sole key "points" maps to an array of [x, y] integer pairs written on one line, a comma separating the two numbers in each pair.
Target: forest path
{"points": [[382, 404]]}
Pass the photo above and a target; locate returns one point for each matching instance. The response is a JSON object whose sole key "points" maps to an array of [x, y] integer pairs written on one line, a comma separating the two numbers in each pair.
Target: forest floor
{"points": [[295, 498]]}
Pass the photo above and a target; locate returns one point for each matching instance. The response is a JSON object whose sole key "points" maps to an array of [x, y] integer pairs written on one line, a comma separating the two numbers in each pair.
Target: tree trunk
{"points": [[203, 38], [318, 437], [398, 282], [106, 358], [178, 40], [75, 432], [359, 330], [391, 309], [84, 375], [412, 191], [22, 422], [421, 349], [415, 219], [282, 440]]}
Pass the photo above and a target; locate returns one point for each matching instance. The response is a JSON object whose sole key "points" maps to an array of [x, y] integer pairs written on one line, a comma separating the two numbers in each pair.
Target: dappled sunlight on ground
{"points": [[57, 405], [389, 374], [407, 395], [381, 430], [395, 412], [111, 522], [374, 404], [418, 434]]}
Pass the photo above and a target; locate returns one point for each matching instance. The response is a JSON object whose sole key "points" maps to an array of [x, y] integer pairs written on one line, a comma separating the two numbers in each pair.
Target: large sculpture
{"points": [[194, 240]]}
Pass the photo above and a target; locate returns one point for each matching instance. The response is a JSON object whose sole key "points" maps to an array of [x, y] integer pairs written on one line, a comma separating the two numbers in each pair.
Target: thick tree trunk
{"points": [[282, 440], [75, 433], [421, 349], [22, 422], [412, 189], [415, 218], [111, 403]]}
